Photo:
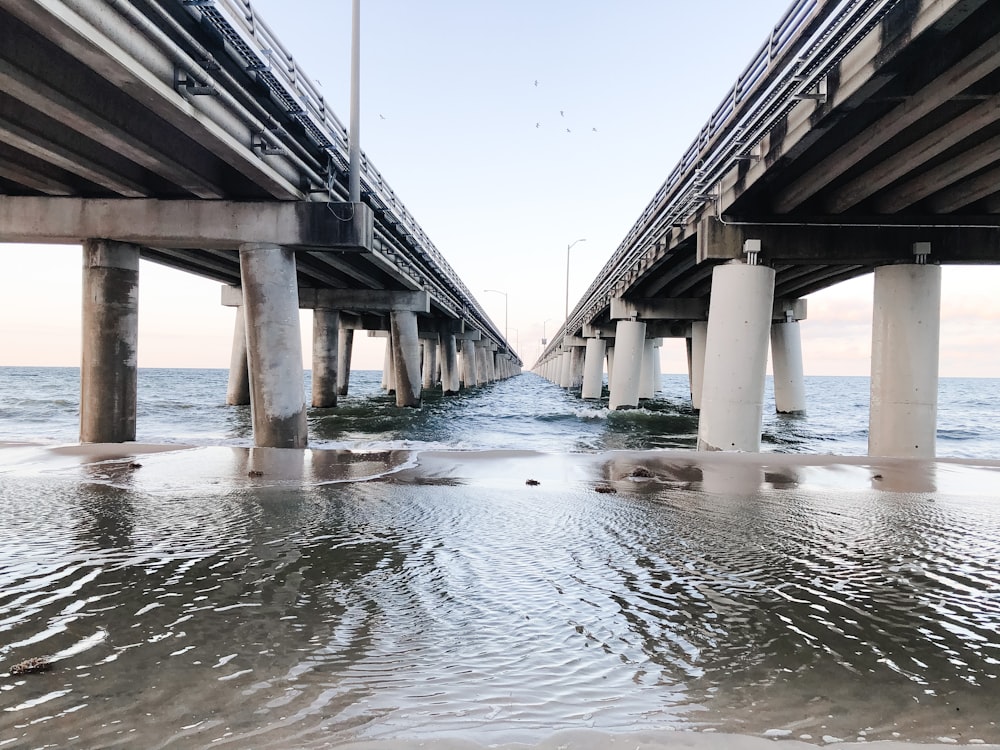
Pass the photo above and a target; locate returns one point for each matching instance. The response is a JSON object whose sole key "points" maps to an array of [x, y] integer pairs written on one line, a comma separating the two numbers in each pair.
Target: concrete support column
{"points": [[696, 360], [238, 390], [388, 368], [345, 348], [450, 380], [109, 366], [646, 386], [739, 320], [325, 349], [611, 365], [274, 348], [906, 332], [657, 368], [786, 360], [576, 365], [430, 365], [630, 337], [593, 368], [406, 357], [565, 370], [470, 368]]}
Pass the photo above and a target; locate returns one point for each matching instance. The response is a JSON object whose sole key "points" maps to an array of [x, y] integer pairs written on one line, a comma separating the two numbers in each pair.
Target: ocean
{"points": [[187, 406], [510, 565]]}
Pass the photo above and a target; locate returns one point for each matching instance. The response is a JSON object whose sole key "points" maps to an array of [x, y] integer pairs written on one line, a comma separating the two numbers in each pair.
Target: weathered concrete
{"points": [[696, 360], [274, 348], [345, 348], [220, 225], [238, 389], [739, 322], [906, 332], [576, 365], [406, 357], [470, 368], [451, 381], [593, 369], [108, 370], [630, 337], [325, 351], [647, 388], [430, 362], [786, 360]]}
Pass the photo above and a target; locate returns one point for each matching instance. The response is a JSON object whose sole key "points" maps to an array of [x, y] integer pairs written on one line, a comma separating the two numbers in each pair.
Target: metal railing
{"points": [[247, 34], [809, 40]]}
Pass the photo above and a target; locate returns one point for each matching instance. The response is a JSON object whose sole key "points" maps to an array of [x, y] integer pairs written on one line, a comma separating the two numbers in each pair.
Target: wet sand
{"points": [[173, 467]]}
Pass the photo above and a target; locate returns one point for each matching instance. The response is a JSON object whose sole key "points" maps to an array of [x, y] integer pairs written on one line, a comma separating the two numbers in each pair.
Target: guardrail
{"points": [[263, 52], [811, 37]]}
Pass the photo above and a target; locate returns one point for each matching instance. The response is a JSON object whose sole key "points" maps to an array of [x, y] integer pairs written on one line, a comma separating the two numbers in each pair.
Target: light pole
{"points": [[583, 239], [497, 291], [544, 340], [354, 136]]}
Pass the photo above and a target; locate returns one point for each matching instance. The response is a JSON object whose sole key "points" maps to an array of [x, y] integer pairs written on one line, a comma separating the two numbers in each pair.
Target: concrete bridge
{"points": [[864, 137], [182, 132]]}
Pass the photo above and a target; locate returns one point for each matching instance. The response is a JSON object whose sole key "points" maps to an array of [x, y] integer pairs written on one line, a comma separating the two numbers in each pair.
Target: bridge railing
{"points": [[811, 37], [250, 36]]}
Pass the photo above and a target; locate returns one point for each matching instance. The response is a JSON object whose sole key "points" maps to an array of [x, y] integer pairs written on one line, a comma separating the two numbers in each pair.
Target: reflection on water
{"points": [[268, 613]]}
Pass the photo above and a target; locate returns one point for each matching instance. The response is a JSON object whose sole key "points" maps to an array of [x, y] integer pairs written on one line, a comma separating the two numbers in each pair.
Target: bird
{"points": [[381, 116], [562, 113], [536, 82], [594, 129], [538, 124], [568, 130]]}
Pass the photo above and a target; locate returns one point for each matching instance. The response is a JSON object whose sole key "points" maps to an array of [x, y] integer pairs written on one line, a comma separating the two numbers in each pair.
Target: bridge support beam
{"points": [[345, 348], [325, 351], [630, 338], [566, 369], [450, 376], [786, 360], [274, 349], [739, 320], [611, 364], [696, 360], [593, 368], [430, 362], [388, 368], [904, 381], [647, 387], [470, 368], [577, 360], [238, 389], [108, 370], [406, 357]]}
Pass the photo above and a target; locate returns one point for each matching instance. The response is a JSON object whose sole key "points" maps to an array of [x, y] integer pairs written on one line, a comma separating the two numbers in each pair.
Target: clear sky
{"points": [[510, 130]]}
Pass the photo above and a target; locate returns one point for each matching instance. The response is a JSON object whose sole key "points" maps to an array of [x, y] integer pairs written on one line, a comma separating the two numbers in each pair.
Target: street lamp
{"points": [[544, 340], [583, 239], [497, 291]]}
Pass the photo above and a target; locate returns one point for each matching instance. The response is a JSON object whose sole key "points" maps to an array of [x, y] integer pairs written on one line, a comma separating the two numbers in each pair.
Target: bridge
{"points": [[864, 137], [182, 132]]}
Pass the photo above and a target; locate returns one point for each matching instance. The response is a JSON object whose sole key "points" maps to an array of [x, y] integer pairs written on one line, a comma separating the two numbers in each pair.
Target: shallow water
{"points": [[299, 611]]}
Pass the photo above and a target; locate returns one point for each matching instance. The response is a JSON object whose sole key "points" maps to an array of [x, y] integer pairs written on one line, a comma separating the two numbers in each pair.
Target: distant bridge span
{"points": [[183, 132], [864, 136]]}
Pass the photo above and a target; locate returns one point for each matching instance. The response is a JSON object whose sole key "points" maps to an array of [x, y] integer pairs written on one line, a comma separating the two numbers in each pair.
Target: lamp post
{"points": [[570, 245], [544, 340], [354, 136], [497, 291]]}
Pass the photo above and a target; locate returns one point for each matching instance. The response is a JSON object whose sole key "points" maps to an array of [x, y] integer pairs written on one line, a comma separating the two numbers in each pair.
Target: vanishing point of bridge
{"points": [[864, 137], [182, 132]]}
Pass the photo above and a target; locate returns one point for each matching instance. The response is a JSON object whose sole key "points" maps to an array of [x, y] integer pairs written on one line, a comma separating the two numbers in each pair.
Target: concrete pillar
{"points": [[576, 364], [325, 348], [238, 390], [345, 348], [657, 368], [430, 364], [739, 321], [565, 370], [406, 357], [696, 360], [593, 369], [611, 365], [450, 380], [470, 368], [630, 337], [388, 367], [274, 348], [109, 365], [646, 388], [906, 323], [786, 360]]}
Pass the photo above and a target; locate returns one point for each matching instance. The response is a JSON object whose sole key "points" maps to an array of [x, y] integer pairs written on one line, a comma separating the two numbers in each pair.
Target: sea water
{"points": [[223, 596]]}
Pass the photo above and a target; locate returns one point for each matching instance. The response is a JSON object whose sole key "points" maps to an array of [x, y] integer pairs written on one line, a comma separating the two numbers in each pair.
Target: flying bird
{"points": [[536, 82], [538, 124], [561, 113], [381, 116]]}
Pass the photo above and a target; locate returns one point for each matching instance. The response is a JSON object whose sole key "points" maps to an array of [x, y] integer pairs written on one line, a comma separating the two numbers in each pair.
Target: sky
{"points": [[510, 130]]}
